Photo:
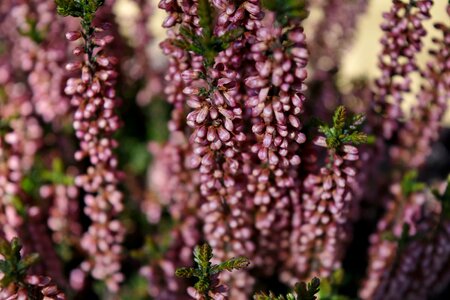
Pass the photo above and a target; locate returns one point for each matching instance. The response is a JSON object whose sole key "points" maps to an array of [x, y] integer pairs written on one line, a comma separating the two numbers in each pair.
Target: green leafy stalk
{"points": [[204, 271], [13, 267], [84, 9], [344, 130], [410, 184]]}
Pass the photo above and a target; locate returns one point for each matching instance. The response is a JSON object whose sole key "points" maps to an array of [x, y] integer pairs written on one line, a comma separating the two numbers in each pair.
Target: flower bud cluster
{"points": [[94, 98], [319, 239], [422, 128], [40, 54], [409, 252], [402, 40], [214, 98], [63, 212], [20, 139], [334, 33], [37, 287]]}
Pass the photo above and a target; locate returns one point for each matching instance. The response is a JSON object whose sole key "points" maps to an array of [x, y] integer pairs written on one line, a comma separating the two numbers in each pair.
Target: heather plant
{"points": [[16, 283], [131, 152]]}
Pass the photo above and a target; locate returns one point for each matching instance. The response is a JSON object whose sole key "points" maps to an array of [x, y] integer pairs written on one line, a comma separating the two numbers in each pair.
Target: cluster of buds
{"points": [[20, 139], [95, 121], [274, 99], [40, 54], [409, 253], [245, 104], [208, 79], [63, 212], [422, 128], [322, 232], [404, 31], [333, 33], [171, 182]]}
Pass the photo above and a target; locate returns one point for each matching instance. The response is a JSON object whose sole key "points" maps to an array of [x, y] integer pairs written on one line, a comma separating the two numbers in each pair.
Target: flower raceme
{"points": [[93, 96]]}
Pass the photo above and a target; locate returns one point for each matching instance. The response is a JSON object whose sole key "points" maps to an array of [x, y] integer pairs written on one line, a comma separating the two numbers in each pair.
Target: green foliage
{"points": [[135, 287], [207, 44], [14, 267], [329, 286], [307, 291], [39, 176], [206, 16], [205, 270], [302, 291], [410, 184], [344, 130], [230, 265], [287, 11], [84, 9], [33, 33]]}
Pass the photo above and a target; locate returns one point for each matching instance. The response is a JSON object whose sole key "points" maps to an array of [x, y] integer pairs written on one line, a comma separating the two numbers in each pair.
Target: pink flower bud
{"points": [[73, 35]]}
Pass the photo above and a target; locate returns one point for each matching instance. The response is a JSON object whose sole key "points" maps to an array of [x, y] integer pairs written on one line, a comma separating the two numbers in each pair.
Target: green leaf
{"points": [[203, 285], [202, 255], [339, 118], [84, 9], [307, 291], [13, 267], [185, 272], [33, 33], [230, 265], [410, 184], [205, 14]]}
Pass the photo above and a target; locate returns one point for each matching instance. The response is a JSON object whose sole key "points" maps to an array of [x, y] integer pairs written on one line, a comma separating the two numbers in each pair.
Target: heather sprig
{"points": [[302, 291], [95, 120], [16, 282], [344, 129], [13, 266], [206, 272]]}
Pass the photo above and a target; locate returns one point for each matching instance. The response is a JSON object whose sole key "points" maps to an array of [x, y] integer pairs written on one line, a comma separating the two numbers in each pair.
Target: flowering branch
{"points": [[95, 121], [15, 283]]}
